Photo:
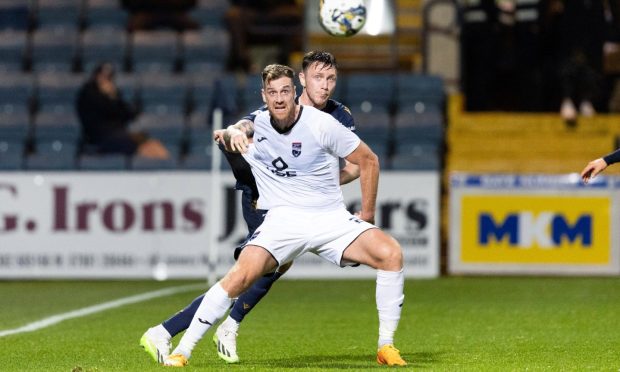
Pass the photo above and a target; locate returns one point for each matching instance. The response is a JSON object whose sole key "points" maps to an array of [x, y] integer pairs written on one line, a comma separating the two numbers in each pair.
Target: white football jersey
{"points": [[300, 168]]}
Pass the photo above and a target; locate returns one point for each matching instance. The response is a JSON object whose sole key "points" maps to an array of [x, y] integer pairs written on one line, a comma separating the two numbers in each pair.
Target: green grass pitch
{"points": [[448, 324]]}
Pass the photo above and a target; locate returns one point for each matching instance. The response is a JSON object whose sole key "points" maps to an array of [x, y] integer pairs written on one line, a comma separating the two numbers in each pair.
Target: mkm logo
{"points": [[546, 230], [536, 229]]}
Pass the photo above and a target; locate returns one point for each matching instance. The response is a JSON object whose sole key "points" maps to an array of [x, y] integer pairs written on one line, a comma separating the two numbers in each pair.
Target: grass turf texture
{"points": [[448, 324]]}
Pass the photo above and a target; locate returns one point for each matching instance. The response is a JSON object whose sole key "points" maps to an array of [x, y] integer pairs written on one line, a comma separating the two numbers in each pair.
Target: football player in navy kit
{"points": [[318, 78]]}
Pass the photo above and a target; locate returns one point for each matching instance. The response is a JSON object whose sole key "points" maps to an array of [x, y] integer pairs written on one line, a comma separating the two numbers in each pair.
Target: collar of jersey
{"points": [[301, 107]]}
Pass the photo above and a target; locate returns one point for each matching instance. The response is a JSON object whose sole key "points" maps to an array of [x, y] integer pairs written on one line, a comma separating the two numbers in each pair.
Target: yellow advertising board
{"points": [[535, 229], [521, 224]]}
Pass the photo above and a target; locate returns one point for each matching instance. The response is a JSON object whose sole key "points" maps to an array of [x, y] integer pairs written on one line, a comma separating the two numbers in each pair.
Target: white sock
{"points": [[160, 331], [213, 306], [389, 297], [230, 324]]}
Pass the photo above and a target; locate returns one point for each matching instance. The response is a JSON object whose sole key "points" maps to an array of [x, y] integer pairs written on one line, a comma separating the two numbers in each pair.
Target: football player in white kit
{"points": [[295, 159]]}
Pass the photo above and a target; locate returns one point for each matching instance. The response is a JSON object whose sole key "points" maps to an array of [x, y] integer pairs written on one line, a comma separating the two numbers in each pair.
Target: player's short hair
{"points": [[275, 71], [325, 58]]}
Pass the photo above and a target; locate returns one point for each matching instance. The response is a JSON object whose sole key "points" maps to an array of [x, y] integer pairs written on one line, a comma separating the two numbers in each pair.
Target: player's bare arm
{"points": [[596, 166], [593, 168], [237, 136], [349, 173], [244, 125], [368, 163]]}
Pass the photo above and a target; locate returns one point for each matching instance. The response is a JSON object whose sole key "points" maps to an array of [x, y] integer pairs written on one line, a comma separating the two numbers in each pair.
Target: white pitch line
{"points": [[55, 319]]}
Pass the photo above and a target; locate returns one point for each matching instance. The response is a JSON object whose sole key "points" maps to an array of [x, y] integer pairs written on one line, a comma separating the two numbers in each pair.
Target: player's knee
{"points": [[238, 281], [390, 257]]}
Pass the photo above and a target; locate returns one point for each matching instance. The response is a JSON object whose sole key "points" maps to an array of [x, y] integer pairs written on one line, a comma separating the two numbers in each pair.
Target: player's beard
{"points": [[284, 119]]}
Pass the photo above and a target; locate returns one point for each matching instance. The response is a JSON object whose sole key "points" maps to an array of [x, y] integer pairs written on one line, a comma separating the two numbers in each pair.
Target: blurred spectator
{"points": [[156, 14], [105, 118], [581, 30], [252, 22], [479, 52]]}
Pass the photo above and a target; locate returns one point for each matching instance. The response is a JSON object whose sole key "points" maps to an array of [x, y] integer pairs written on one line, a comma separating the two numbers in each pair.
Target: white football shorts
{"points": [[287, 233]]}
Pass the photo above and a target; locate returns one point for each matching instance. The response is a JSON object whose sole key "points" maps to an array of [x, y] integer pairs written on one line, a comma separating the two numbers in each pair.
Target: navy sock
{"points": [[246, 302], [180, 321]]}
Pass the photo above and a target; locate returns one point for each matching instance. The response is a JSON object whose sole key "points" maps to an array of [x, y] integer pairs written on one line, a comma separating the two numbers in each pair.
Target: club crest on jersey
{"points": [[296, 150]]}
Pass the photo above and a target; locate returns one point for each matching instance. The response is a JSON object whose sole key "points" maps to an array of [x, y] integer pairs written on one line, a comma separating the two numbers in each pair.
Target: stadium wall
{"points": [[105, 225]]}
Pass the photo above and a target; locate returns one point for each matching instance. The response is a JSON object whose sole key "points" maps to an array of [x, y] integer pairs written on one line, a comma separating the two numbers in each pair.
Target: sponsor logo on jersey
{"points": [[254, 236], [262, 139], [296, 149]]}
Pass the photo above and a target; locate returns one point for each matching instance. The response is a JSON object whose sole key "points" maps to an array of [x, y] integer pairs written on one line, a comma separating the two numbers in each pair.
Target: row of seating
{"points": [[61, 48], [415, 130], [401, 96], [47, 160], [83, 14]]}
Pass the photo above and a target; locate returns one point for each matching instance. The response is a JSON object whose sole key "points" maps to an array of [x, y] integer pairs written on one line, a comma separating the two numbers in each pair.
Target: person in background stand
{"points": [[582, 30], [479, 42], [105, 118]]}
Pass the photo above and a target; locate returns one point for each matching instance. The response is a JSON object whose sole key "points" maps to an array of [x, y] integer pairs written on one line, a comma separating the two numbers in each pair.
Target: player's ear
{"points": [[262, 93], [302, 79]]}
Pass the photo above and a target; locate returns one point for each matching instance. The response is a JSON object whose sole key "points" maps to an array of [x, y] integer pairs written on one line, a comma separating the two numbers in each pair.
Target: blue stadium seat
{"points": [[15, 15], [56, 147], [154, 50], [169, 128], [163, 92], [202, 92], [227, 94], [199, 133], [251, 98], [406, 136], [374, 130], [415, 126], [58, 89], [14, 126], [56, 126], [107, 13], [103, 44], [12, 147], [13, 47], [415, 89], [10, 160], [210, 13], [58, 12], [54, 48], [127, 84], [138, 162], [424, 162], [196, 161], [17, 88], [45, 162], [205, 50], [102, 162], [369, 92], [14, 131]]}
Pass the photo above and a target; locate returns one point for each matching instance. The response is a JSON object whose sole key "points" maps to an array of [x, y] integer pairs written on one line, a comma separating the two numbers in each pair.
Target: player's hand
{"points": [[218, 135], [238, 140], [592, 169], [368, 217]]}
